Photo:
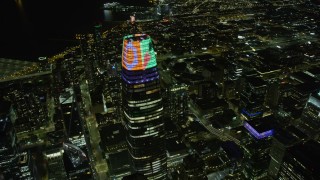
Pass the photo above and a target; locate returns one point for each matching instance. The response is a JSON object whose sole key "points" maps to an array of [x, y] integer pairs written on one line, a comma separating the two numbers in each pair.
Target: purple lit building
{"points": [[256, 156], [252, 98], [260, 128], [255, 133]]}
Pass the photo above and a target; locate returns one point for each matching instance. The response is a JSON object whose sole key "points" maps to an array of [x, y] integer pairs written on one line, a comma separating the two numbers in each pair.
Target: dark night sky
{"points": [[33, 28]]}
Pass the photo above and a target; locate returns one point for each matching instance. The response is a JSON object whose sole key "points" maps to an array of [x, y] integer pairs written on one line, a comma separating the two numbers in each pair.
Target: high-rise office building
{"points": [[193, 167], [252, 98], [310, 119], [142, 107], [299, 96], [178, 102], [301, 162], [9, 156], [56, 166], [281, 142], [256, 156], [26, 165]]}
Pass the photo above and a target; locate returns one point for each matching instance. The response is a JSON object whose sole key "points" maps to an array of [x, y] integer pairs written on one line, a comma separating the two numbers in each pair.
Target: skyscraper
{"points": [[301, 162], [178, 102], [282, 141], [309, 122], [142, 107], [252, 98], [9, 156]]}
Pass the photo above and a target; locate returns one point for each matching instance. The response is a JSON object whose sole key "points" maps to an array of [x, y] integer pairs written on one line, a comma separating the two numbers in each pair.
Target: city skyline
{"points": [[179, 89]]}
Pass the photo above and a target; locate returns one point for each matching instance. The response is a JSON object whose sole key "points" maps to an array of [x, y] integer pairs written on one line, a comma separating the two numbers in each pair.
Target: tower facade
{"points": [[178, 102], [252, 98], [309, 122], [9, 155], [142, 107]]}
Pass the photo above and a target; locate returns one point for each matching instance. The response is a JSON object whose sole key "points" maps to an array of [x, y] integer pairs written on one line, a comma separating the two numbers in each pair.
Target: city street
{"points": [[95, 154]]}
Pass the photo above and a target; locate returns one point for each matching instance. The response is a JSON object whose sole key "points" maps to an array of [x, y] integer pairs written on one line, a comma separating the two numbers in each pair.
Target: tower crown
{"points": [[138, 52]]}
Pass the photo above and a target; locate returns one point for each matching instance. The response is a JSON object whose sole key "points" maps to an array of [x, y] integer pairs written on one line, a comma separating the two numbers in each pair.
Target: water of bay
{"points": [[33, 28]]}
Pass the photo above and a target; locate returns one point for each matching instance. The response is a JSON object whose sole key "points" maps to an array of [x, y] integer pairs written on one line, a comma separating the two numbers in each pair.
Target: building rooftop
{"points": [[205, 104], [261, 127], [119, 162], [285, 137], [169, 126], [188, 78], [224, 119], [296, 132], [216, 161], [72, 120], [204, 147], [72, 167], [175, 147], [232, 149], [314, 71], [136, 37], [307, 88], [112, 134], [193, 162], [263, 124], [211, 67], [308, 155], [256, 82], [303, 77]]}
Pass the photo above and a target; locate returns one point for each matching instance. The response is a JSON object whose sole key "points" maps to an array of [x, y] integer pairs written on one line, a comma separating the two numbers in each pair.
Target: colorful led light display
{"points": [[138, 52], [256, 134]]}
